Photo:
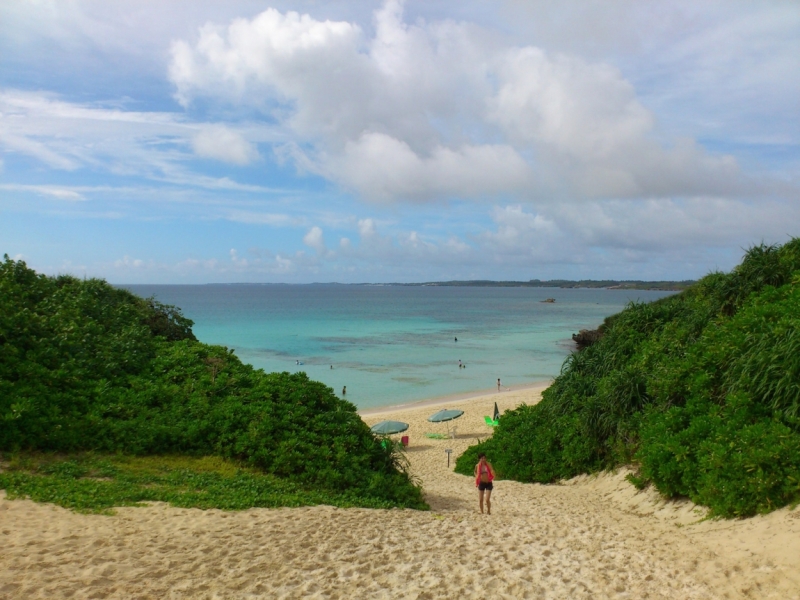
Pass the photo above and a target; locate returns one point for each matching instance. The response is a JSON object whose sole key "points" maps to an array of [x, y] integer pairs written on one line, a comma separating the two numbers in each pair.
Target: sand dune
{"points": [[592, 537]]}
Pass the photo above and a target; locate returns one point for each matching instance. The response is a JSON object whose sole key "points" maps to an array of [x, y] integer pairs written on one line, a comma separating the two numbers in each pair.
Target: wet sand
{"points": [[590, 537]]}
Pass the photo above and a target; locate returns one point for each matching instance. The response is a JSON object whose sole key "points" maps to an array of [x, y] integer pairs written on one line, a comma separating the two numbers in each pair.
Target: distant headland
{"points": [[565, 283], [610, 284]]}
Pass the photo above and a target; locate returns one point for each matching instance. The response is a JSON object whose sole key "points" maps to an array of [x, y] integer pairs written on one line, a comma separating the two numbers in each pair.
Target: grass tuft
{"points": [[95, 483]]}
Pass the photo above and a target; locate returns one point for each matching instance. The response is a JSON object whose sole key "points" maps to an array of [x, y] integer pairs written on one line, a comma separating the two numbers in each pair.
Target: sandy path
{"points": [[589, 538]]}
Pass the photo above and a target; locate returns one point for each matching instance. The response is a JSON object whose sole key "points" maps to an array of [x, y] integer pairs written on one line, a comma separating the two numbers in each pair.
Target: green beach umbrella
{"points": [[447, 414], [388, 427]]}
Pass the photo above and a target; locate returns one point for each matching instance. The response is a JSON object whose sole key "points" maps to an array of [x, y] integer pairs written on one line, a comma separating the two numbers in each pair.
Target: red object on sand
{"points": [[404, 441]]}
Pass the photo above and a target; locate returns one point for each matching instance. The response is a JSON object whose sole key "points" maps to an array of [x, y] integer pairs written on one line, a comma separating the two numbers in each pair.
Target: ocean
{"points": [[397, 344]]}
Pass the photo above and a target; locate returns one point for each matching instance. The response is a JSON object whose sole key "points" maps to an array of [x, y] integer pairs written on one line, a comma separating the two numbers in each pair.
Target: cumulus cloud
{"points": [[434, 110], [557, 133], [313, 239], [600, 238], [221, 143], [381, 167]]}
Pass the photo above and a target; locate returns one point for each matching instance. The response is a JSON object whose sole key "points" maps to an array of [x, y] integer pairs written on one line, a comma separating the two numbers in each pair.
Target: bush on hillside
{"points": [[85, 366], [701, 389]]}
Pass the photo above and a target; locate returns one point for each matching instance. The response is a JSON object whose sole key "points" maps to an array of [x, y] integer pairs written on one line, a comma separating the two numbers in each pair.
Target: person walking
{"points": [[498, 384], [484, 475]]}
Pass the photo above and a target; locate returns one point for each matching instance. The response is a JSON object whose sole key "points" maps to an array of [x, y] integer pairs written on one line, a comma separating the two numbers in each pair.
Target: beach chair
{"points": [[490, 422], [397, 446]]}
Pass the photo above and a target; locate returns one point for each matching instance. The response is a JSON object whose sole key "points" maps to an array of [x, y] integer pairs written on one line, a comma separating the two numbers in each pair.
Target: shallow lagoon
{"points": [[396, 344]]}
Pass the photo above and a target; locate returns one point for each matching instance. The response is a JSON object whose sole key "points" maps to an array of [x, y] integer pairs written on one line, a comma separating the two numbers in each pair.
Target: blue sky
{"points": [[199, 141]]}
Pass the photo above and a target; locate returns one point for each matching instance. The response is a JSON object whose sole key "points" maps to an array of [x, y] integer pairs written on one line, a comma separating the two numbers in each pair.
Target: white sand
{"points": [[592, 537]]}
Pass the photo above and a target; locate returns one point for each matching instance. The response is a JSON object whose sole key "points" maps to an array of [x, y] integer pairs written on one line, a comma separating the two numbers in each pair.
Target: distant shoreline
{"points": [[450, 398], [608, 284]]}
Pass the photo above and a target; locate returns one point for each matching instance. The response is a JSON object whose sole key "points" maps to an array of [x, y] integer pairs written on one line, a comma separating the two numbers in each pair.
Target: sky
{"points": [[196, 141]]}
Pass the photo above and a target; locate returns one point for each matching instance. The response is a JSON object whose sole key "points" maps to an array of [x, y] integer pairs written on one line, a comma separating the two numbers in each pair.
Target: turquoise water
{"points": [[395, 344]]}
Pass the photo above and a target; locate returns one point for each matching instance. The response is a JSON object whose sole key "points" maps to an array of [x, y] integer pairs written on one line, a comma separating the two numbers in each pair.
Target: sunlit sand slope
{"points": [[592, 537]]}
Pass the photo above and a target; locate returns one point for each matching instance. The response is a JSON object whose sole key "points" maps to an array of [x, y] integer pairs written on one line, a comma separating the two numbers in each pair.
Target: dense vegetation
{"points": [[701, 390], [87, 367]]}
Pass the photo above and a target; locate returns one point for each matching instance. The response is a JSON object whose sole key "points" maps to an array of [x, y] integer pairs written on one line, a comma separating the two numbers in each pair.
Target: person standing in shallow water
{"points": [[484, 475], [344, 391]]}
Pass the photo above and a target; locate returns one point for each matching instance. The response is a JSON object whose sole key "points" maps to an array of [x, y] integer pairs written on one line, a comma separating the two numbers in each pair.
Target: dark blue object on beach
{"points": [[388, 427]]}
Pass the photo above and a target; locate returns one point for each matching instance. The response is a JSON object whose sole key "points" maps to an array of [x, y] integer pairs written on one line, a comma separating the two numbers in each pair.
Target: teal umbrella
{"points": [[388, 427], [447, 414]]}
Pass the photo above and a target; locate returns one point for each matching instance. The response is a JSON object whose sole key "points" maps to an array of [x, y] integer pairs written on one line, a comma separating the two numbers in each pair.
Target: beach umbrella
{"points": [[496, 415], [443, 415], [446, 414], [388, 427]]}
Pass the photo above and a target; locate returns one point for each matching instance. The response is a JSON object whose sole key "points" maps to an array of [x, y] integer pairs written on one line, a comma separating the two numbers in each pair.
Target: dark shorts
{"points": [[485, 486]]}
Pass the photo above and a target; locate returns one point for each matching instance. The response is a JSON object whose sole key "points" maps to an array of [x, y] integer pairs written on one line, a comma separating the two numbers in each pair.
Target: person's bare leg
{"points": [[480, 499], [488, 502]]}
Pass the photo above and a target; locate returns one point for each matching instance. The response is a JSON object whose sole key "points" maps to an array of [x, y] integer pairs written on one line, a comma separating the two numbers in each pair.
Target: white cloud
{"points": [[382, 168], [126, 262], [313, 239], [58, 192], [584, 110], [438, 110], [155, 145], [562, 240], [366, 228], [62, 194], [592, 132], [657, 225], [262, 218], [222, 143]]}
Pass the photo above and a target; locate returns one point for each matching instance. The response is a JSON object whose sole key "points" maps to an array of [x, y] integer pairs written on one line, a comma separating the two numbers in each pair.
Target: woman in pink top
{"points": [[484, 474]]}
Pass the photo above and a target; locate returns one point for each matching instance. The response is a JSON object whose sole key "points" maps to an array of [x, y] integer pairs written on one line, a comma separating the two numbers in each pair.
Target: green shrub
{"points": [[84, 366], [702, 389]]}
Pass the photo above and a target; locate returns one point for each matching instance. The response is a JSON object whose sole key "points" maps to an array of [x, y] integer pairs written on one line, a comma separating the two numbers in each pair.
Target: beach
{"points": [[589, 537]]}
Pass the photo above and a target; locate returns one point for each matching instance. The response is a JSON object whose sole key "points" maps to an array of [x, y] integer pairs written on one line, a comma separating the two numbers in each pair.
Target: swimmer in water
{"points": [[344, 390]]}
